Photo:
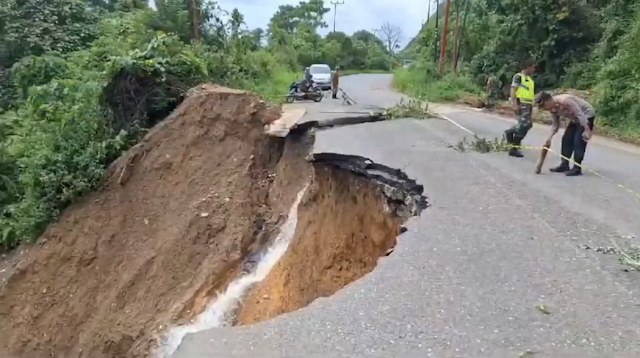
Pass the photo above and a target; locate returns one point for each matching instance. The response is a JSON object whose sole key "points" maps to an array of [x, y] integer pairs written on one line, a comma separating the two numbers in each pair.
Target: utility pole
{"points": [[428, 14], [457, 35], [435, 42], [464, 23], [335, 11], [443, 48]]}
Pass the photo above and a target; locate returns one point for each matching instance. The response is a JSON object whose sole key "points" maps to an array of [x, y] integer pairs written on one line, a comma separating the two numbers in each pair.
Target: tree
{"points": [[255, 37], [288, 17], [132, 5], [617, 85], [34, 27], [345, 48], [367, 37], [172, 16], [110, 5], [553, 32], [391, 36], [195, 16]]}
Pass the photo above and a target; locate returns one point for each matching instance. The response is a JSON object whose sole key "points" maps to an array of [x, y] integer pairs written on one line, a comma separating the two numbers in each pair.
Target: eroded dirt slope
{"points": [[345, 224], [177, 216], [190, 209]]}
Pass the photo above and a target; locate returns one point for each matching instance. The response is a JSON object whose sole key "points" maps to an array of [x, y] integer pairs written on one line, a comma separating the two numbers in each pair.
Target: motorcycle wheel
{"points": [[318, 96], [290, 98]]}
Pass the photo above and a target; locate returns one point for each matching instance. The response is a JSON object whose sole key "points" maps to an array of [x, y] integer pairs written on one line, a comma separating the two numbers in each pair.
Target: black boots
{"points": [[513, 141], [574, 172], [564, 168], [513, 152]]}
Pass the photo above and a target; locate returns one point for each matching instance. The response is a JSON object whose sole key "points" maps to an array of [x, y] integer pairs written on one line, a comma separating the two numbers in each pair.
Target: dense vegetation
{"points": [[82, 81], [583, 44]]}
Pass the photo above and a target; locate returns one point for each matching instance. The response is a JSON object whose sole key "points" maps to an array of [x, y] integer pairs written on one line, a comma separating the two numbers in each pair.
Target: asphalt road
{"points": [[465, 280]]}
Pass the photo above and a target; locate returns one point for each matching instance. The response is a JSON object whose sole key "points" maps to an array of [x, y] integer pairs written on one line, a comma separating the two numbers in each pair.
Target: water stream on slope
{"points": [[218, 313]]}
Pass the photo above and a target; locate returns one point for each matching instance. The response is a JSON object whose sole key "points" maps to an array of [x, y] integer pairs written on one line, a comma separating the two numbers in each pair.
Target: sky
{"points": [[354, 15]]}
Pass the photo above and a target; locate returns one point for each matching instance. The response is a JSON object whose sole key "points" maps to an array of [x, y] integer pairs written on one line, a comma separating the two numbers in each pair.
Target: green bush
{"points": [[36, 27], [582, 75], [78, 95], [35, 71], [424, 82], [60, 147], [146, 84], [618, 89]]}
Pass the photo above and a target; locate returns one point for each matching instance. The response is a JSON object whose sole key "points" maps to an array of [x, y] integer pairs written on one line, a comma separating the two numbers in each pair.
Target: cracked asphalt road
{"points": [[466, 277]]}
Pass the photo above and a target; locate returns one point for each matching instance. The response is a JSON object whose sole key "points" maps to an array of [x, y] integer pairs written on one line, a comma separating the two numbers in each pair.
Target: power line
{"points": [[335, 11]]}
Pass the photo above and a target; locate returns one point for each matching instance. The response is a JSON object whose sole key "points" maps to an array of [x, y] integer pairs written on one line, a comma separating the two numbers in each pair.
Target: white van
{"points": [[321, 75]]}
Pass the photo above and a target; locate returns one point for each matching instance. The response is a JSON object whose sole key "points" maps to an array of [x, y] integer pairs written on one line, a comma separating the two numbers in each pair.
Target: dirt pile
{"points": [[176, 219], [185, 212]]}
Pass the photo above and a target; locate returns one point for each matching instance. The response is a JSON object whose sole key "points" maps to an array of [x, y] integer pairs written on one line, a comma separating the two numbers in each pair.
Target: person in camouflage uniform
{"points": [[335, 82], [493, 89], [522, 98]]}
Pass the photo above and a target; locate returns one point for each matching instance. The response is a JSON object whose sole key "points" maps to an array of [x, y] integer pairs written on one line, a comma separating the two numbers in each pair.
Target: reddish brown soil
{"points": [[178, 215], [342, 231]]}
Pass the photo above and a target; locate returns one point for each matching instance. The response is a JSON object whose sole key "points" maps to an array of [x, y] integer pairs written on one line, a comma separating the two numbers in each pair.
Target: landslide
{"points": [[172, 225], [192, 207], [345, 224]]}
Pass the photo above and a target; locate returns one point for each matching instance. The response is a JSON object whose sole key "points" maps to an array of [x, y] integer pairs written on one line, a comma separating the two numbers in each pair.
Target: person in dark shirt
{"points": [[581, 116]]}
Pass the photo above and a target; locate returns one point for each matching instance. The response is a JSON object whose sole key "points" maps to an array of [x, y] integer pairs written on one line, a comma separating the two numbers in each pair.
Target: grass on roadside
{"points": [[274, 89], [423, 81], [357, 72]]}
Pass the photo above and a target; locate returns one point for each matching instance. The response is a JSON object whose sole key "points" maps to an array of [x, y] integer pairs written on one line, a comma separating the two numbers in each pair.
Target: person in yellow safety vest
{"points": [[522, 98]]}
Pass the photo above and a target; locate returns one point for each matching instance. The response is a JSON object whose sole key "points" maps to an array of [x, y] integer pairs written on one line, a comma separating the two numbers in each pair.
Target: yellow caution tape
{"points": [[636, 195], [627, 258]]}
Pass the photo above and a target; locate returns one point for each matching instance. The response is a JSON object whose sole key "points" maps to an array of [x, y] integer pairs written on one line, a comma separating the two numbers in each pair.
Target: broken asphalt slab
{"points": [[465, 279]]}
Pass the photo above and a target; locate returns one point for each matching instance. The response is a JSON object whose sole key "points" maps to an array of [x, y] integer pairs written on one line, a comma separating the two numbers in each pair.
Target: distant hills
{"points": [[431, 23]]}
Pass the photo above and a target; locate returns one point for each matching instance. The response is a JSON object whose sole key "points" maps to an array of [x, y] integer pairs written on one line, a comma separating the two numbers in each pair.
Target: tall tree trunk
{"points": [[456, 37], [464, 24], [196, 22], [435, 42], [445, 31]]}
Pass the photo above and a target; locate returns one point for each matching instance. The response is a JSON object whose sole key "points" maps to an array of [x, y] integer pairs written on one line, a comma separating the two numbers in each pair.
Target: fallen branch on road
{"points": [[483, 145]]}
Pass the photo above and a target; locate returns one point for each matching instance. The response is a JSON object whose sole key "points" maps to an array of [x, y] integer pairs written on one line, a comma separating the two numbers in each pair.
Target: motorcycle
{"points": [[296, 92]]}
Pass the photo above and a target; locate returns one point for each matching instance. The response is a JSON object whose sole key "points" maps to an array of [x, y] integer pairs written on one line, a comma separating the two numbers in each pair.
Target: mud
{"points": [[345, 224], [173, 224], [184, 213]]}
